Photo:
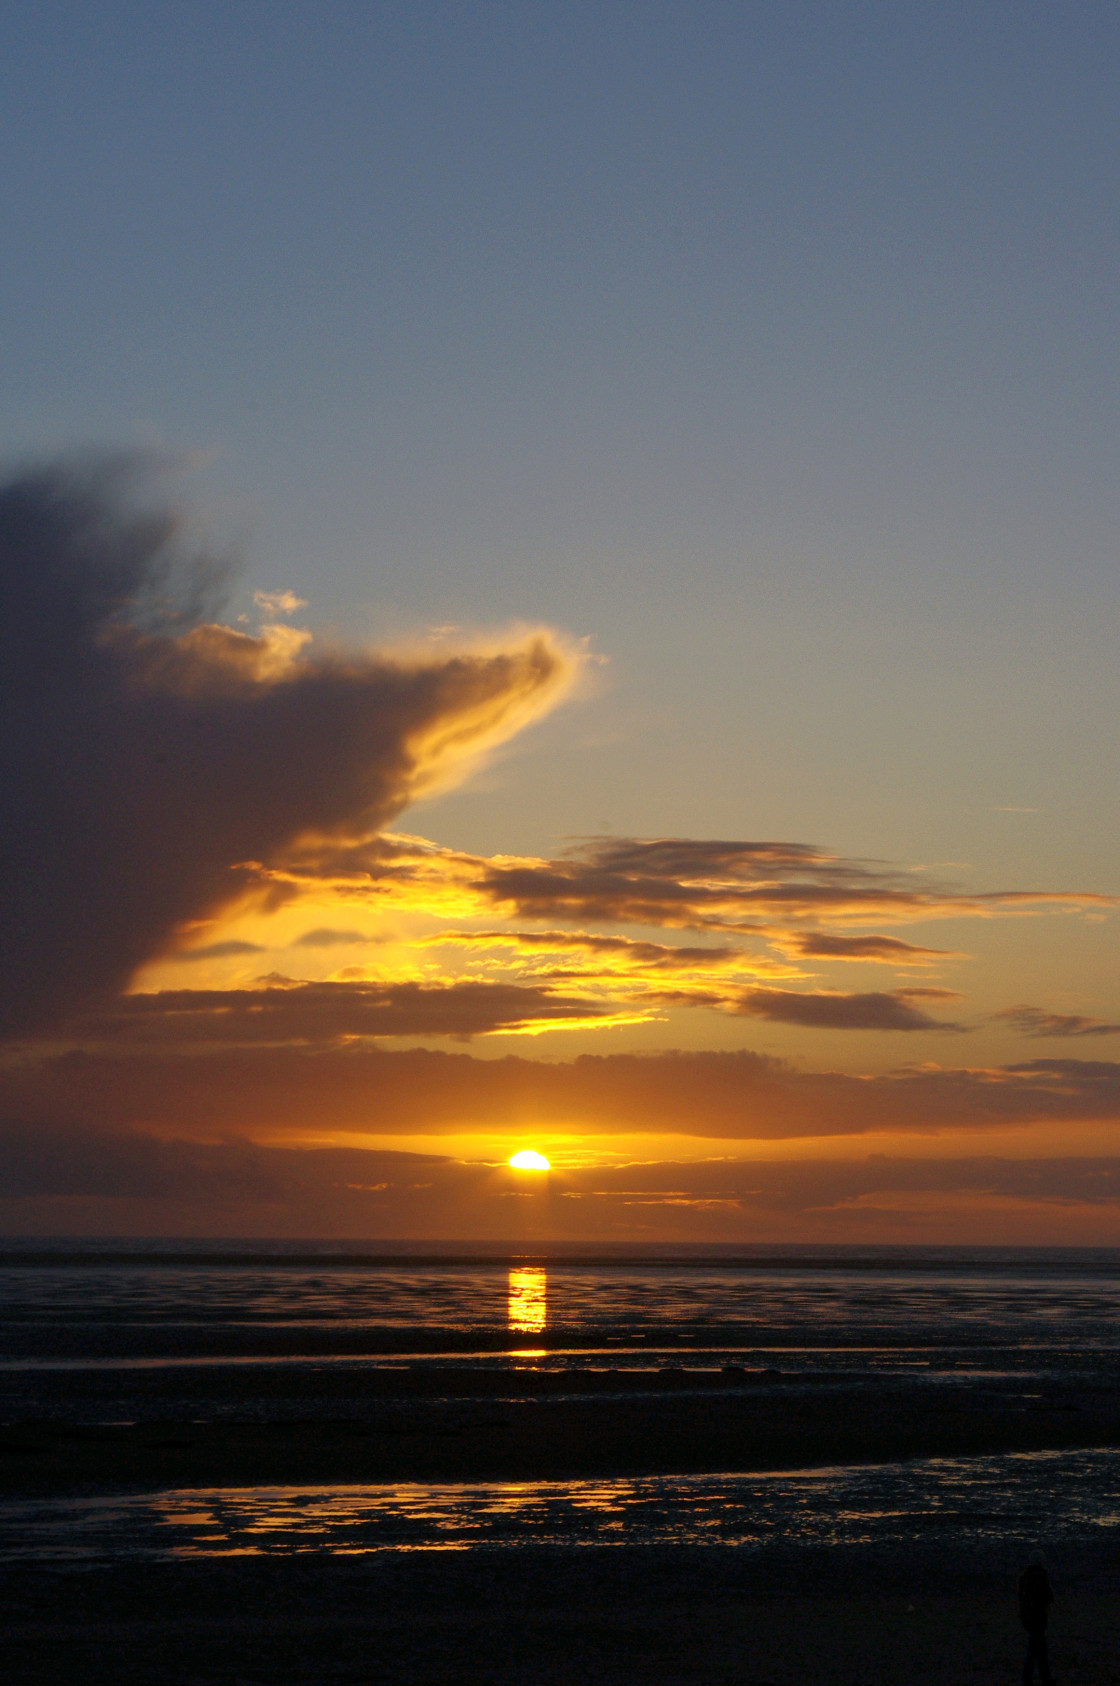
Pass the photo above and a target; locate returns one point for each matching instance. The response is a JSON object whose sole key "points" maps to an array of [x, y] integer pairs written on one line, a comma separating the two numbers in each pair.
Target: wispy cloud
{"points": [[627, 951], [284, 1010], [731, 886], [782, 902], [890, 951], [279, 602], [1036, 1021], [833, 1010], [767, 890], [329, 936], [616, 963], [220, 951]]}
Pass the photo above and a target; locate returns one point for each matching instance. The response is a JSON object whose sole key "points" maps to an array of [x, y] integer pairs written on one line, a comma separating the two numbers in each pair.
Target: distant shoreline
{"points": [[461, 1256]]}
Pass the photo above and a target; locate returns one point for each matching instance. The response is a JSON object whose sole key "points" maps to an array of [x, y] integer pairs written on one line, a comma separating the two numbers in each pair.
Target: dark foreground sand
{"points": [[536, 1616], [549, 1618], [470, 1426]]}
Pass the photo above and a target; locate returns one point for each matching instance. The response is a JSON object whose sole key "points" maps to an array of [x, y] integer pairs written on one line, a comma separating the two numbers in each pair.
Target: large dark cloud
{"points": [[145, 753]]}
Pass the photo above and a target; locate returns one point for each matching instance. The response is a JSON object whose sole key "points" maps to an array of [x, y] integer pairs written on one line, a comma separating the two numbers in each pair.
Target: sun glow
{"points": [[527, 1160]]}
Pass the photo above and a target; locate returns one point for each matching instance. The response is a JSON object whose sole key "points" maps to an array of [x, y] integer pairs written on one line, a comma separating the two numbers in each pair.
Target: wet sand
{"points": [[475, 1425], [546, 1616]]}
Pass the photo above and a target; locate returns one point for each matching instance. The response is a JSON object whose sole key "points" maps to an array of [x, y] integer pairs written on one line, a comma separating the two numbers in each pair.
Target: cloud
{"points": [[1036, 1021], [320, 1088], [617, 963], [177, 1186], [220, 951], [147, 752], [823, 945], [788, 895], [785, 899], [630, 953], [279, 602], [160, 771], [832, 1010], [823, 1184], [327, 936], [732, 886], [284, 1010]]}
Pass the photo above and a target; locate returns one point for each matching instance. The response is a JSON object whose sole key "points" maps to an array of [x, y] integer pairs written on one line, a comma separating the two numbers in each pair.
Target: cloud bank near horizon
{"points": [[362, 1088], [54, 1180]]}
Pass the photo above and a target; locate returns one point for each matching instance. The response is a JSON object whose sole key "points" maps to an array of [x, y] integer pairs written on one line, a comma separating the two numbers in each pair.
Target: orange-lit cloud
{"points": [[795, 896], [785, 895], [327, 936], [623, 955], [279, 602], [789, 892]]}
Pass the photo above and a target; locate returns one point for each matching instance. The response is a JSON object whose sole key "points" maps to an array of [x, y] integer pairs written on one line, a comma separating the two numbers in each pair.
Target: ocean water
{"points": [[130, 1338], [196, 1307], [108, 1338]]}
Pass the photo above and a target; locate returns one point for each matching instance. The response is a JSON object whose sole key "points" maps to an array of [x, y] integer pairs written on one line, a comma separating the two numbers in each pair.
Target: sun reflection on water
{"points": [[528, 1299]]}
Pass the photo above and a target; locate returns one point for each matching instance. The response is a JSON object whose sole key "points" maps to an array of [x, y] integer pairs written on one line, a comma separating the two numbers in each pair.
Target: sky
{"points": [[558, 580]]}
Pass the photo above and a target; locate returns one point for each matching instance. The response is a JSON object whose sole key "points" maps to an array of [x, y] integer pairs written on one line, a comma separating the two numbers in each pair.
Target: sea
{"points": [[100, 1333]]}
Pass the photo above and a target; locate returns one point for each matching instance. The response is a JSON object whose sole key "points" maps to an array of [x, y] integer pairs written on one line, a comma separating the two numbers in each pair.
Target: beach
{"points": [[278, 1474], [927, 1611]]}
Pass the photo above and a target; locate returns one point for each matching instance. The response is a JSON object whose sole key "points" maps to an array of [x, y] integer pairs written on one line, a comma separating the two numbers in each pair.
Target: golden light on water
{"points": [[527, 1160], [528, 1300]]}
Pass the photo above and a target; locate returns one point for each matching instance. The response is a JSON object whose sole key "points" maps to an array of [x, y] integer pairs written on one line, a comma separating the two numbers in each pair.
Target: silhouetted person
{"points": [[1035, 1599]]}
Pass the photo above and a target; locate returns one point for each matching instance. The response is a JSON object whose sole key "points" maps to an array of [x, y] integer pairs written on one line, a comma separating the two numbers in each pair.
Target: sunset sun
{"points": [[528, 1160]]}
